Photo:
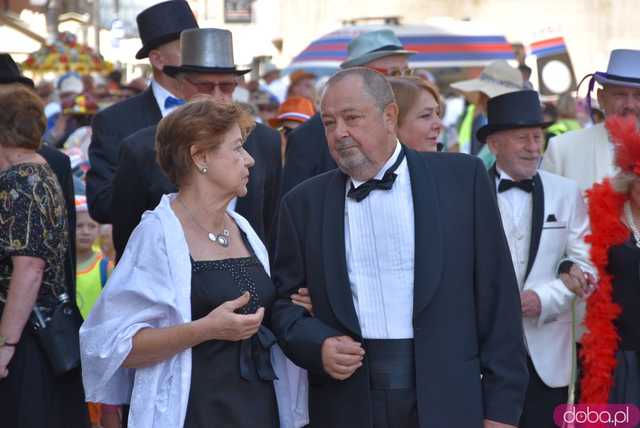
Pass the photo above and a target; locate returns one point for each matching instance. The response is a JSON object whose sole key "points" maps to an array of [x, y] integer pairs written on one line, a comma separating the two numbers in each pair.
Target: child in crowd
{"points": [[93, 268]]}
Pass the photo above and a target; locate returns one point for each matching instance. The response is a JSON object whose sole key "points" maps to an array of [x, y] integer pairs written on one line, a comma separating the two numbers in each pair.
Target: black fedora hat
{"points": [[520, 109], [10, 73], [205, 50], [162, 23]]}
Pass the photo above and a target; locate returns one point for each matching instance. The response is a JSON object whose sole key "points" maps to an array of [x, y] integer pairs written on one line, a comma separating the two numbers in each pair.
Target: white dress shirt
{"points": [[516, 211], [380, 250], [161, 94]]}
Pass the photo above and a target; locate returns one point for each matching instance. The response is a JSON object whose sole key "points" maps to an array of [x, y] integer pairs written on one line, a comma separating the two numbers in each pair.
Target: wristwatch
{"points": [[5, 342]]}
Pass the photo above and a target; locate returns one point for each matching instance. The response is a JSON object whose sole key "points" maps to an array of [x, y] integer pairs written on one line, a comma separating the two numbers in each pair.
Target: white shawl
{"points": [[151, 287]]}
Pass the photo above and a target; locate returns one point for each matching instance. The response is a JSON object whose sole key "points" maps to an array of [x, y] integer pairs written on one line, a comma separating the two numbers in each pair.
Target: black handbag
{"points": [[59, 334]]}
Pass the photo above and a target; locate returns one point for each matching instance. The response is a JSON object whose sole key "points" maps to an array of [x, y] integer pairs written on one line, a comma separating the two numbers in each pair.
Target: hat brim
{"points": [[372, 56], [276, 122], [486, 87], [487, 130], [173, 71], [602, 79], [154, 43], [20, 79]]}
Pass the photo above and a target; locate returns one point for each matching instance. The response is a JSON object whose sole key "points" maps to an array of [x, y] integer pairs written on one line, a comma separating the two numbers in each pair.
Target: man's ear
{"points": [[492, 142], [156, 59], [390, 117]]}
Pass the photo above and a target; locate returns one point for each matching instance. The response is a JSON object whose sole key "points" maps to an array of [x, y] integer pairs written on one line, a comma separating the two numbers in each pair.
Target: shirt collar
{"points": [[502, 175], [384, 168], [161, 94]]}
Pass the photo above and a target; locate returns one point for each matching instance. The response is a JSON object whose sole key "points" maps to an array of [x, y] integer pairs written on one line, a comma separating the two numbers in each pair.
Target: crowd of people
{"points": [[204, 251]]}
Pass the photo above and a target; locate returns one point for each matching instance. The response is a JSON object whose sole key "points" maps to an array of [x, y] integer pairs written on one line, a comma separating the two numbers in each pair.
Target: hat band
{"points": [[508, 84], [387, 48], [616, 77]]}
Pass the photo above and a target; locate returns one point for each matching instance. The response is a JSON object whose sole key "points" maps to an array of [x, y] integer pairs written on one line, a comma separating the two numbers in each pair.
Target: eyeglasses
{"points": [[226, 87], [393, 72]]}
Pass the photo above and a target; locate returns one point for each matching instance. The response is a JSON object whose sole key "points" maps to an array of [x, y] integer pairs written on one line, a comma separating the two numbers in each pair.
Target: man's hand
{"points": [[531, 305], [303, 298], [580, 283], [493, 424], [341, 356]]}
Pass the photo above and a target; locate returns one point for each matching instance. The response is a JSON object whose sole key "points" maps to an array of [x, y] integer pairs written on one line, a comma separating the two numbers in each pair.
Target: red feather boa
{"points": [[600, 343]]}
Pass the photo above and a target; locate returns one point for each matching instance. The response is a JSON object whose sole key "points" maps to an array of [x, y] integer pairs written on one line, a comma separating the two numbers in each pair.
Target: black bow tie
{"points": [[386, 183], [506, 184]]}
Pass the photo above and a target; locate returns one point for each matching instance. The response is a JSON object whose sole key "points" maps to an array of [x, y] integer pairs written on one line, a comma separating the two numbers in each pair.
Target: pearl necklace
{"points": [[632, 225], [221, 239]]}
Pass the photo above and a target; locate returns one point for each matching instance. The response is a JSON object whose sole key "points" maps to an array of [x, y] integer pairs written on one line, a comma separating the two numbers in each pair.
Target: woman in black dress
{"points": [[33, 244], [611, 366], [192, 292]]}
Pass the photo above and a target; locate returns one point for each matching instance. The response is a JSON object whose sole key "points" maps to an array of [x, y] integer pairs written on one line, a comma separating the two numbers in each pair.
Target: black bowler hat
{"points": [[162, 23], [10, 73], [520, 109]]}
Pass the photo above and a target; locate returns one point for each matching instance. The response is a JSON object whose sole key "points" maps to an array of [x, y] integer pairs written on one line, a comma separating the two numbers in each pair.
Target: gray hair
{"points": [[621, 182], [374, 83]]}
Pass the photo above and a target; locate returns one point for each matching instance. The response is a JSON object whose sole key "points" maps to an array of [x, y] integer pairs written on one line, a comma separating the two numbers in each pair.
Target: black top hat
{"points": [[162, 23], [520, 109], [10, 73]]}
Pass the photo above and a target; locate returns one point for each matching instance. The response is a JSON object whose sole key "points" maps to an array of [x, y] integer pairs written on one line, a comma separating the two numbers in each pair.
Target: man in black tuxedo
{"points": [[307, 154], [139, 182], [159, 26], [414, 295]]}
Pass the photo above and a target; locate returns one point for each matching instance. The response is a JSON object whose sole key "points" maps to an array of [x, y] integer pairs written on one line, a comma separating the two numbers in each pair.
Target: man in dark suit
{"points": [[414, 295], [61, 166], [307, 154], [140, 183], [159, 26]]}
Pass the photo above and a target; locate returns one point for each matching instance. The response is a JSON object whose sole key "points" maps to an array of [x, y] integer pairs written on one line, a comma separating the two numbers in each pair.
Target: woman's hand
{"points": [[223, 323], [6, 354], [303, 298]]}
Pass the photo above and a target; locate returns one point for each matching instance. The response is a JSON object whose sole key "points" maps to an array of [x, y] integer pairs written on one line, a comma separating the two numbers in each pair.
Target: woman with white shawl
{"points": [[180, 331]]}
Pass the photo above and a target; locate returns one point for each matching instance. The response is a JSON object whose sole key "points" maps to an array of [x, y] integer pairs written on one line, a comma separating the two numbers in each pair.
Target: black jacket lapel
{"points": [[537, 219], [334, 255], [429, 241], [151, 107], [493, 174]]}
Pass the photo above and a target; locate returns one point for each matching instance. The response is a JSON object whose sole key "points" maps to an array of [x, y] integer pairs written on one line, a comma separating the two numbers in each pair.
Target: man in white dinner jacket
{"points": [[545, 220], [586, 155]]}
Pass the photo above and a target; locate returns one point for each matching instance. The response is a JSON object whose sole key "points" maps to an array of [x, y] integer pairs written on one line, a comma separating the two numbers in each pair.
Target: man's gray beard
{"points": [[355, 165]]}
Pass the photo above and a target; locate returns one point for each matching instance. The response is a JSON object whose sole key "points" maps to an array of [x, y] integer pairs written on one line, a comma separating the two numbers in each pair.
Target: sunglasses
{"points": [[226, 87], [393, 72]]}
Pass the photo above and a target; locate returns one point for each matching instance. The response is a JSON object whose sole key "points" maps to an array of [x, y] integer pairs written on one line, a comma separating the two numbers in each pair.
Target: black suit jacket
{"points": [[307, 154], [139, 183], [61, 166], [466, 310], [110, 127]]}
